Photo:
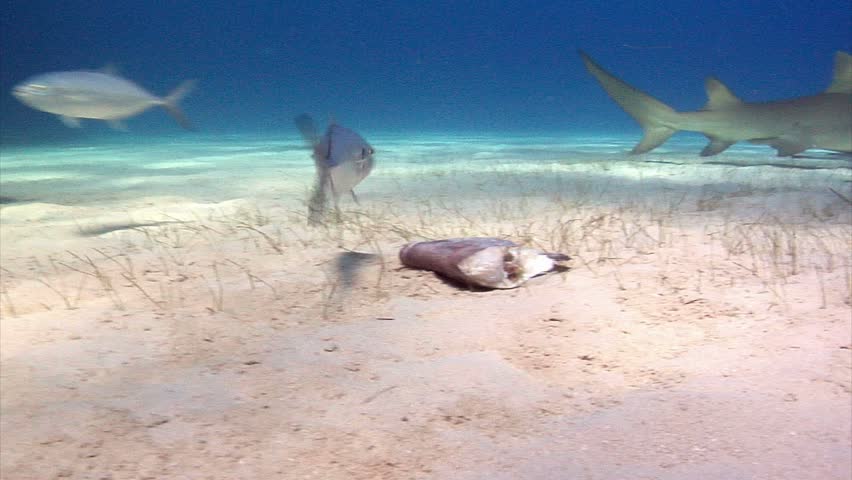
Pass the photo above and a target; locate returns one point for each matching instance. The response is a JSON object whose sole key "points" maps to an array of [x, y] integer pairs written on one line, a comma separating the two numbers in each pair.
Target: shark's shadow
{"points": [[94, 231], [6, 200], [791, 166]]}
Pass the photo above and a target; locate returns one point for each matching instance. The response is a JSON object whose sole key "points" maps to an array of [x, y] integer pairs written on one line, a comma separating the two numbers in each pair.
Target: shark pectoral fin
{"points": [[716, 146], [72, 122], [718, 95], [788, 148], [117, 125], [785, 147], [354, 197], [653, 138]]}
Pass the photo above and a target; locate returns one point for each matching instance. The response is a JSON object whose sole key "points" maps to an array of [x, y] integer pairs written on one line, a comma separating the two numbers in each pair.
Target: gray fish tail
{"points": [[655, 117], [170, 103]]}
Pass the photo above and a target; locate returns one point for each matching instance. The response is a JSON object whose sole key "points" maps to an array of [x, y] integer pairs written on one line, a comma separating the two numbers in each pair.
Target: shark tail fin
{"points": [[655, 117], [170, 104]]}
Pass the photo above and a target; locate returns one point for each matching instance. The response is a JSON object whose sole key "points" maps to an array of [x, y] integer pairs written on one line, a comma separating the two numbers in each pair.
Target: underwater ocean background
{"points": [[169, 311], [429, 81], [414, 67]]}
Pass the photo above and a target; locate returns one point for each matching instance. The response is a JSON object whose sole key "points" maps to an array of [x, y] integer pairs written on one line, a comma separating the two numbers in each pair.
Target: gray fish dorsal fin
{"points": [[718, 95], [842, 80]]}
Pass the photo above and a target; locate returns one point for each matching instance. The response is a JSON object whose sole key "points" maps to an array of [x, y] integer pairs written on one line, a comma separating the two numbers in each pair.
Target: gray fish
{"points": [[789, 126], [98, 95], [342, 159]]}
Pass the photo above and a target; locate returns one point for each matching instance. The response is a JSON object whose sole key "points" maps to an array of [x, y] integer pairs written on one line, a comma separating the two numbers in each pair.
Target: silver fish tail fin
{"points": [[655, 117], [170, 103]]}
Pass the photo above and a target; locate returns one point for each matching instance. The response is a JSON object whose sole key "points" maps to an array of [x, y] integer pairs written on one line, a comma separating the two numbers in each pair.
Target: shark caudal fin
{"points": [[655, 117]]}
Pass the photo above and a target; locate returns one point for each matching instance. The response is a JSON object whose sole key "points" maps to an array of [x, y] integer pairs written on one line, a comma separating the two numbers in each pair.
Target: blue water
{"points": [[413, 67], [436, 83]]}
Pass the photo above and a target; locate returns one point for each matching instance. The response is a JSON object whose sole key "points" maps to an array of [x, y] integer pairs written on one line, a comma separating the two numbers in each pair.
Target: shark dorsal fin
{"points": [[718, 95], [842, 81]]}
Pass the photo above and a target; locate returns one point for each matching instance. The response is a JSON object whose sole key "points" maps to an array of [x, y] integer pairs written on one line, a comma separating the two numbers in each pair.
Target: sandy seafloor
{"points": [[167, 313]]}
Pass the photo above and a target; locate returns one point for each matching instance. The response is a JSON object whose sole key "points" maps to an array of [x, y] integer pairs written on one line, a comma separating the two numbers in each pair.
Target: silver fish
{"points": [[342, 159], [789, 126], [99, 95]]}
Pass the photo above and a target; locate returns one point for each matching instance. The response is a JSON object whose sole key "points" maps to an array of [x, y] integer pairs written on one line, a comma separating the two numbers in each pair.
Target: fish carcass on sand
{"points": [[342, 159], [98, 95], [480, 261], [789, 126]]}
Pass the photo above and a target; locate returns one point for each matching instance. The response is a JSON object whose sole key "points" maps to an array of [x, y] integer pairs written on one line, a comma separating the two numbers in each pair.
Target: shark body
{"points": [[789, 126]]}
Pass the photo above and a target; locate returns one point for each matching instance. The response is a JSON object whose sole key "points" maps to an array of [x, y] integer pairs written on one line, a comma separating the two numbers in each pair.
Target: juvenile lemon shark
{"points": [[789, 126]]}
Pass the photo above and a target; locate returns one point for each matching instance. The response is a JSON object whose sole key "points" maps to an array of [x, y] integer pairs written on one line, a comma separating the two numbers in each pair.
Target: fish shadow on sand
{"points": [[788, 165], [345, 275], [348, 266], [6, 200], [94, 231], [791, 166]]}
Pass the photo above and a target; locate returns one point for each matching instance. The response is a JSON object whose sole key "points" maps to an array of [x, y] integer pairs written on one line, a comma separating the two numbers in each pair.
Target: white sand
{"points": [[704, 330]]}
